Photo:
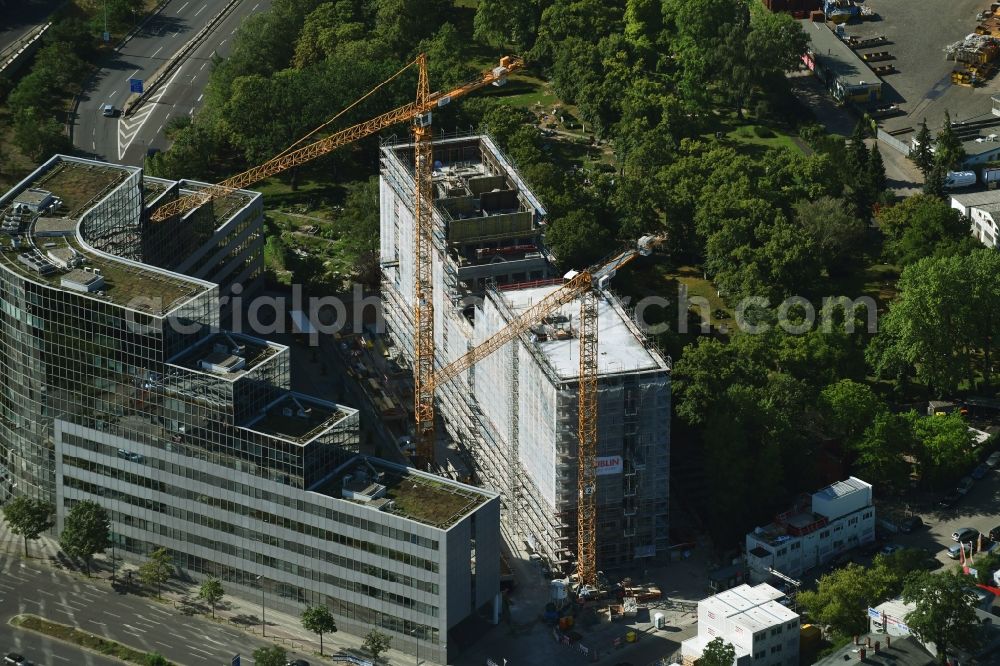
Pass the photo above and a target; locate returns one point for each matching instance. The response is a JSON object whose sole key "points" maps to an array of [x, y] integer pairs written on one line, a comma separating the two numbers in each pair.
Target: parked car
{"points": [[993, 460], [995, 533], [965, 534], [964, 484], [980, 472], [953, 551], [950, 500], [910, 524]]}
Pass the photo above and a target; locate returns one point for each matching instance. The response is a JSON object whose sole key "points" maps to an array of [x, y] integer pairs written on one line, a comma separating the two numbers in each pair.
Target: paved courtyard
{"points": [[918, 32]]}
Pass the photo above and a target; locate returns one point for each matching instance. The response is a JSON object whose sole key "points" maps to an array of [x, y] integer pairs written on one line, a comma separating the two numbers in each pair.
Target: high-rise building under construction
{"points": [[515, 412]]}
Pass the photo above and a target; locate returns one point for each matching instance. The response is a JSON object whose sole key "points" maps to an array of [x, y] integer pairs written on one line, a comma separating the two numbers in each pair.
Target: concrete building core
{"points": [[515, 412]]}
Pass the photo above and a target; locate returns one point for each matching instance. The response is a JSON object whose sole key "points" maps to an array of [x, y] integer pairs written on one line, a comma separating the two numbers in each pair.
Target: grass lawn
{"points": [[84, 639]]}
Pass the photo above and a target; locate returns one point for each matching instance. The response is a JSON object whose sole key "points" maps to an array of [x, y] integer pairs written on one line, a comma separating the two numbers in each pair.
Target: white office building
{"points": [[750, 619], [818, 528], [983, 211]]}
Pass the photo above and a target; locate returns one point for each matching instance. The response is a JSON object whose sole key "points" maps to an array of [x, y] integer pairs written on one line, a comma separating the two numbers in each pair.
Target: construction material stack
{"points": [[976, 55]]}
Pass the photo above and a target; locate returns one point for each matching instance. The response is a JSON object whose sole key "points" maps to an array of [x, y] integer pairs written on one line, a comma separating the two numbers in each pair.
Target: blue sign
{"points": [[135, 85], [236, 660]]}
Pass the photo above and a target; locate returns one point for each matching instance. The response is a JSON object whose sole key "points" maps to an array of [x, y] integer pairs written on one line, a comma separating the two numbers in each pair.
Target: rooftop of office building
{"points": [[407, 492], [227, 355], [41, 217], [621, 345], [298, 418]]}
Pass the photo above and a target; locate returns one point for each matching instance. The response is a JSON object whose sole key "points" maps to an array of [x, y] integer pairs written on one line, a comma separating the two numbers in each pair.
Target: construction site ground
{"points": [[523, 637], [918, 32]]}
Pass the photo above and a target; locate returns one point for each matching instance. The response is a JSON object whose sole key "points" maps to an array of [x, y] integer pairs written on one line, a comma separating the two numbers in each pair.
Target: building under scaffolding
{"points": [[515, 412]]}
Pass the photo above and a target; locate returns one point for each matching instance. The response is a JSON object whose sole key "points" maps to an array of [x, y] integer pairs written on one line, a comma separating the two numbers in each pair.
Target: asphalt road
{"points": [[18, 17], [34, 587], [127, 140]]}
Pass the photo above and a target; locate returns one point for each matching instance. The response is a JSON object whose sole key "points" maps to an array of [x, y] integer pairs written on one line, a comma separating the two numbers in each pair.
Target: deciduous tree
{"points": [[319, 620], [376, 643], [28, 517], [157, 569], [270, 656], [86, 531], [718, 653], [211, 590], [943, 614]]}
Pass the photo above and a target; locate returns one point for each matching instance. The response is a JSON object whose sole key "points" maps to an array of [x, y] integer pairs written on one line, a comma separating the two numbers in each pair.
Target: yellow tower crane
{"points": [[583, 285], [420, 112]]}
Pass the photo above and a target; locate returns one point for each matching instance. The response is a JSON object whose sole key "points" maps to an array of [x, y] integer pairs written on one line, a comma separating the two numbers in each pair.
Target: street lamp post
{"points": [[263, 623], [416, 641]]}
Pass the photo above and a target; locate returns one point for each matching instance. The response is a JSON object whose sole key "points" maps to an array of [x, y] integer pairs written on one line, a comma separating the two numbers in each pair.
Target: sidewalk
{"points": [[241, 614]]}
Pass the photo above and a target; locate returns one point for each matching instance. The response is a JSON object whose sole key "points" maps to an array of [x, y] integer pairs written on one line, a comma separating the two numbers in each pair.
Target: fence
{"points": [[893, 142]]}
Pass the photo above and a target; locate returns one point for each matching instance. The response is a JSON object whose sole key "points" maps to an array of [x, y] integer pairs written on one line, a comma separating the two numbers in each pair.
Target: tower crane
{"points": [[420, 112], [583, 285]]}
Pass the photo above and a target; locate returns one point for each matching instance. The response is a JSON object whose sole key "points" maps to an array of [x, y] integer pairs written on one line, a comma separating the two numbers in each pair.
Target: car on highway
{"points": [[980, 471], [995, 533], [964, 534], [950, 500], [908, 525], [964, 484], [14, 659], [298, 662], [108, 110], [993, 460]]}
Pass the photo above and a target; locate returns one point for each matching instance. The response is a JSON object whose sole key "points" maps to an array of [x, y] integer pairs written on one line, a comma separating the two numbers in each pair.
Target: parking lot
{"points": [[918, 33], [979, 509]]}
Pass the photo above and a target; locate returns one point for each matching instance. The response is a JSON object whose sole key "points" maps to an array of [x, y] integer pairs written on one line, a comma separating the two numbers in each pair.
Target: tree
{"points": [[577, 239], [848, 407], [985, 566], [211, 590], [86, 531], [157, 569], [943, 614], [28, 517], [270, 656], [921, 154], [837, 235], [38, 136], [155, 659], [319, 620], [934, 180], [841, 599], [500, 23], [921, 226], [881, 448], [945, 447], [718, 653], [948, 151], [376, 643]]}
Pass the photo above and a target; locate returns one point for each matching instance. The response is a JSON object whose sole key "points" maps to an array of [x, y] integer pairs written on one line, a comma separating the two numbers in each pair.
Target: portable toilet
{"points": [[659, 622]]}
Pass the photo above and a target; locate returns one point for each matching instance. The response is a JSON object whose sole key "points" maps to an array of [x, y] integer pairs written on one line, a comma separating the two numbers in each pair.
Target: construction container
{"points": [[809, 636]]}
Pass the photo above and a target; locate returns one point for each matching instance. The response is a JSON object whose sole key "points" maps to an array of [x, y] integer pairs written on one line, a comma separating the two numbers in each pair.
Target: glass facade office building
{"points": [[121, 388]]}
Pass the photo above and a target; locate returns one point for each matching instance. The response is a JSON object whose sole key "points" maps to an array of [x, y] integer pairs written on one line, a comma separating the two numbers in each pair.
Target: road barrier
{"points": [[160, 75], [16, 55]]}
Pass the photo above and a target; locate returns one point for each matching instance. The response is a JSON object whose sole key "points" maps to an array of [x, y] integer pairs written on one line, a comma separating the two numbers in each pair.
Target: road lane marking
{"points": [[55, 656], [200, 96], [114, 94], [191, 647], [107, 612], [48, 594], [129, 626], [202, 66], [163, 644], [159, 129], [255, 7], [156, 51], [200, 10], [206, 638], [191, 112], [131, 75], [127, 131], [193, 78], [222, 42], [93, 146], [182, 7]]}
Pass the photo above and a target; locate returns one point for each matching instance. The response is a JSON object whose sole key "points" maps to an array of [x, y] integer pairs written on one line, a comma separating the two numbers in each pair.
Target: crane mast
{"points": [[423, 302]]}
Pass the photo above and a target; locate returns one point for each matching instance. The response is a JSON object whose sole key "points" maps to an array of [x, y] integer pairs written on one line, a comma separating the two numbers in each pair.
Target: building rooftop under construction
{"points": [[514, 413]]}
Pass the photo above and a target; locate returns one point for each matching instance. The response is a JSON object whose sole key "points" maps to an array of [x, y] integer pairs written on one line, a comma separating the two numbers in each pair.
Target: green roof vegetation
{"points": [[428, 501]]}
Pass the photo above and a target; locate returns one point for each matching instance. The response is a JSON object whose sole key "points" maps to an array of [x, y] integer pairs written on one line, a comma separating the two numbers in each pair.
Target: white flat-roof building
{"points": [[983, 211], [515, 412], [819, 527], [762, 630]]}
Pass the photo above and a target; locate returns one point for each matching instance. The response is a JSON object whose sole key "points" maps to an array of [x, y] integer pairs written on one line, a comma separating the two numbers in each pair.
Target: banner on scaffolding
{"points": [[608, 465]]}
